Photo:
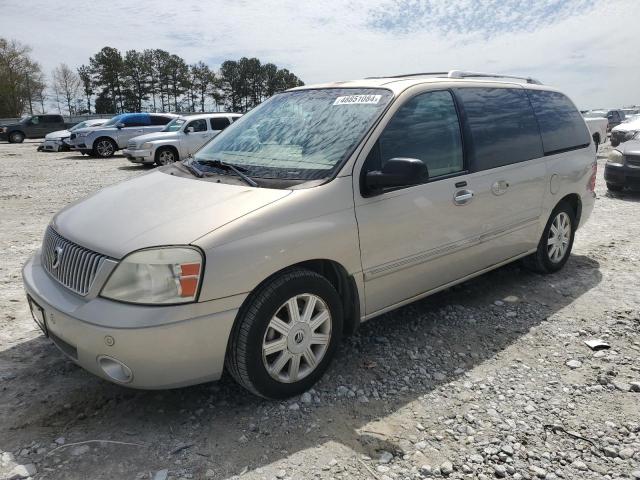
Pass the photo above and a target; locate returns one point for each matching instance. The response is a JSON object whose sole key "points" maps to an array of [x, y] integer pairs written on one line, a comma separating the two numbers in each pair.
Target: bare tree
{"points": [[66, 83], [18, 78]]}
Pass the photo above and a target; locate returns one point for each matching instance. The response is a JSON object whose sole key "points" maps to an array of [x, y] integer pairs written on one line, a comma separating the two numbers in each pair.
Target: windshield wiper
{"points": [[229, 166], [193, 170]]}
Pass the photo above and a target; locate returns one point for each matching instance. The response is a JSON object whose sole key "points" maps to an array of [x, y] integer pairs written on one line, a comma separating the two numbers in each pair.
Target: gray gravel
{"points": [[489, 379]]}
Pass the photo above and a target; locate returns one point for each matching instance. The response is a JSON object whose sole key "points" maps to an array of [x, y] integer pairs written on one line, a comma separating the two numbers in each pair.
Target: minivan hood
{"points": [[58, 134], [157, 209], [150, 137]]}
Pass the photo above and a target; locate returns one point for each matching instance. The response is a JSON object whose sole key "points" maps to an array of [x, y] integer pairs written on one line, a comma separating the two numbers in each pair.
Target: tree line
{"points": [[148, 80]]}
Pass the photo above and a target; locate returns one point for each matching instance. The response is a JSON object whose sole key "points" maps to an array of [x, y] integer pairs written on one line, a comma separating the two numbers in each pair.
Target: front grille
{"points": [[131, 146], [73, 266]]}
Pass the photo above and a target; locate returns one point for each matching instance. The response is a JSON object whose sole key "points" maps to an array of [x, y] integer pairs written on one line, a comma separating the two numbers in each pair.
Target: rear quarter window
{"points": [[502, 127], [561, 125]]}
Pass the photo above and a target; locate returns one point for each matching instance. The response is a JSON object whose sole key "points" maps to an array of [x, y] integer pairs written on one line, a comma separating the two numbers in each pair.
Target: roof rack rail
{"points": [[410, 75], [463, 74]]}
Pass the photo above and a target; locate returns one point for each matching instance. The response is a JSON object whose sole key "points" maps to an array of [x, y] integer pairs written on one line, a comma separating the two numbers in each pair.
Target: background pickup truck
{"points": [[598, 128], [31, 126]]}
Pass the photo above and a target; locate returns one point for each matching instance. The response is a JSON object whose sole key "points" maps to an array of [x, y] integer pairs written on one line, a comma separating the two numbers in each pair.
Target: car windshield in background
{"points": [[596, 114], [299, 135], [174, 125], [115, 120]]}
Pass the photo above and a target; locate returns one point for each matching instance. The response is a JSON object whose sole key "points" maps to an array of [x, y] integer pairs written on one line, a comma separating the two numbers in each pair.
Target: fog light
{"points": [[115, 369]]}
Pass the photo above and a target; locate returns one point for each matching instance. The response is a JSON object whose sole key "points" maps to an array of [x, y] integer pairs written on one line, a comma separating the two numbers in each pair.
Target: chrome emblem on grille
{"points": [[57, 256]]}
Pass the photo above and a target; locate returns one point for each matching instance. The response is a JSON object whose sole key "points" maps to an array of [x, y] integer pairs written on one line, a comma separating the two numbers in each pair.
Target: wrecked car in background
{"points": [[624, 132], [623, 165], [58, 141]]}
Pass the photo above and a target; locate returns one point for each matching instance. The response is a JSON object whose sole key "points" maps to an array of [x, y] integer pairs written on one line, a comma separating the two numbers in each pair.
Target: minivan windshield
{"points": [[174, 125], [297, 135]]}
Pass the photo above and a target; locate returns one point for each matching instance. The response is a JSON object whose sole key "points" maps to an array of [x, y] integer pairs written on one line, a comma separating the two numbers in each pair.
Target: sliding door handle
{"points": [[462, 197]]}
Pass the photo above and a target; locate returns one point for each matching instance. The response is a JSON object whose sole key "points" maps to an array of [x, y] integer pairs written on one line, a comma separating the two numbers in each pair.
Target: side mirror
{"points": [[397, 172], [189, 130], [120, 125]]}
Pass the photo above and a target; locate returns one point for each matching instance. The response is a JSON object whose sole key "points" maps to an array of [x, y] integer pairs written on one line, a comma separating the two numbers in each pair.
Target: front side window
{"points": [[175, 125], [561, 125], [298, 135], [502, 125], [198, 125], [136, 121], [426, 128], [35, 120]]}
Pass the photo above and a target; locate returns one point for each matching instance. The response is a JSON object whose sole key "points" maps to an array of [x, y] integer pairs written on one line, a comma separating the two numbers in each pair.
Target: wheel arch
{"points": [[170, 147], [338, 276], [105, 137], [573, 199], [16, 130]]}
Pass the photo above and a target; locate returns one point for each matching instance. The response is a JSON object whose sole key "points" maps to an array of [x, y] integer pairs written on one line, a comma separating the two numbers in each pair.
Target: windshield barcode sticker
{"points": [[357, 99]]}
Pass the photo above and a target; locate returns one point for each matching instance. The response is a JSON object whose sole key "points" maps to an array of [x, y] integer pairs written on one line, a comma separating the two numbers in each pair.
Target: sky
{"points": [[587, 48]]}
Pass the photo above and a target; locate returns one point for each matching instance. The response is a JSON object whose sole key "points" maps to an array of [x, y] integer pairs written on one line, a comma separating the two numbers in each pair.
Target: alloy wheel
{"points": [[296, 338], [166, 157], [104, 148]]}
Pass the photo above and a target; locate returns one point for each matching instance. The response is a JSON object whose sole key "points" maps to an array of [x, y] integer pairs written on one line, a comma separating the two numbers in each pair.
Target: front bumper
{"points": [[138, 156], [53, 145], [162, 346], [622, 175], [4, 137]]}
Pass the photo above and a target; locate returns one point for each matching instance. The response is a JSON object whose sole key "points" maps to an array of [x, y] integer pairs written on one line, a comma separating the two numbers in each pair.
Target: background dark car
{"points": [[31, 126]]}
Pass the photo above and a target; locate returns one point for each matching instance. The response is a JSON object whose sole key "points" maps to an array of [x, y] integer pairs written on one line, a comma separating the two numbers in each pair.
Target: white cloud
{"points": [[589, 53]]}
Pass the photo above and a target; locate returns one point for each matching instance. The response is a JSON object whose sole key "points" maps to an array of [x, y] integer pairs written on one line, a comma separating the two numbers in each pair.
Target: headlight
{"points": [[82, 135], [615, 157], [146, 146], [3, 129], [159, 275]]}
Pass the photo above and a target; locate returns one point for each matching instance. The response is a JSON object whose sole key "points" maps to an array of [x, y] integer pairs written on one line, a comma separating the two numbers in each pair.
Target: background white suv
{"points": [[179, 139]]}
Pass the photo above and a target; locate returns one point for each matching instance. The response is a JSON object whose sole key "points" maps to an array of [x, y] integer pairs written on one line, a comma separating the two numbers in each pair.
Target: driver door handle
{"points": [[462, 197]]}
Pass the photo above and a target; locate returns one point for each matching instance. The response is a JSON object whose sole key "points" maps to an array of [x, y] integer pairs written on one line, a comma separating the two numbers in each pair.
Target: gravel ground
{"points": [[490, 379]]}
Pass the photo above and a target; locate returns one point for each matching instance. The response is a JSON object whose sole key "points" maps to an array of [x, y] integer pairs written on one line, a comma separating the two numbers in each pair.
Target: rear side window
{"points": [[219, 123], [561, 125], [51, 119], [160, 120], [503, 128], [426, 127]]}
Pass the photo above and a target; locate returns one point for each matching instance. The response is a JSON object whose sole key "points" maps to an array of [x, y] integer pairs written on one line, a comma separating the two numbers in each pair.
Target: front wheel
{"points": [[104, 148], [286, 335], [16, 137], [556, 242], [165, 156]]}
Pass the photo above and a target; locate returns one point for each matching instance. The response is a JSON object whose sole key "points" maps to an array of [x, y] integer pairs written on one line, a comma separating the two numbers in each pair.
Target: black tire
{"points": [[244, 360], [16, 137], [101, 147], [614, 188], [166, 156], [540, 261]]}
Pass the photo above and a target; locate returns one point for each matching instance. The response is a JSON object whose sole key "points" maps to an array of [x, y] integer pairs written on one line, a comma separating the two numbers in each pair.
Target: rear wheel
{"points": [[556, 242], [165, 156], [286, 335], [16, 137], [104, 147], [614, 188]]}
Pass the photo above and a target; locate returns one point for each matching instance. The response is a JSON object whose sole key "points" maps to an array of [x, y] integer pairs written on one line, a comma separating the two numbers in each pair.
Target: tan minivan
{"points": [[321, 208]]}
